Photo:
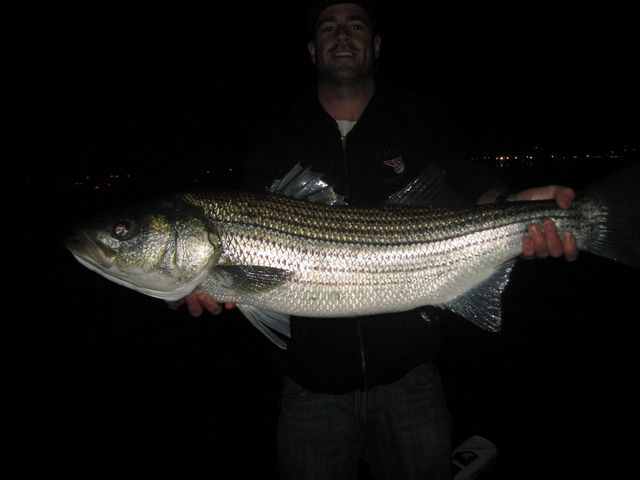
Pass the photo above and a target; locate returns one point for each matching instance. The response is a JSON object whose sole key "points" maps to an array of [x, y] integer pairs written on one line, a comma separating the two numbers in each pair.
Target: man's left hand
{"points": [[544, 240]]}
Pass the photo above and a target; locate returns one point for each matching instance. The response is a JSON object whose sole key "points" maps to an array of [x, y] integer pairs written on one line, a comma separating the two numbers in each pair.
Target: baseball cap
{"points": [[318, 6]]}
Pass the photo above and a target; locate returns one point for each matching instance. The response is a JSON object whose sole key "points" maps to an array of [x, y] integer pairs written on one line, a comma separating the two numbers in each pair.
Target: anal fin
{"points": [[482, 305], [269, 323]]}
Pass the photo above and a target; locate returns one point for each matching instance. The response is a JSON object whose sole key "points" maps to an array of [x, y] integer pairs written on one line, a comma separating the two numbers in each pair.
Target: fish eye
{"points": [[123, 230]]}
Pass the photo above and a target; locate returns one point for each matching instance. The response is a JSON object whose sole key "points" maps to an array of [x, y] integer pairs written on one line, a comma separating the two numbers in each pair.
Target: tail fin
{"points": [[621, 194]]}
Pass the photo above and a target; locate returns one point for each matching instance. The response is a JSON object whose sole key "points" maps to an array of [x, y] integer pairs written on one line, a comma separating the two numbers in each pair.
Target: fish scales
{"points": [[349, 261], [391, 225]]}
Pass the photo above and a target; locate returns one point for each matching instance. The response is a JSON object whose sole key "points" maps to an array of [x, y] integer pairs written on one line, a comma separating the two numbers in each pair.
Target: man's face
{"points": [[344, 47]]}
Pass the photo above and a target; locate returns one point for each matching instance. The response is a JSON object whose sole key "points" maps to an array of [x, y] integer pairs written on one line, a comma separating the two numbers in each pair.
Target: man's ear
{"points": [[377, 43], [311, 47]]}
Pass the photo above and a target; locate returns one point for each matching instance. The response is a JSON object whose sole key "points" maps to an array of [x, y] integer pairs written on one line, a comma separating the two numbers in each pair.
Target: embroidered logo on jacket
{"points": [[396, 163]]}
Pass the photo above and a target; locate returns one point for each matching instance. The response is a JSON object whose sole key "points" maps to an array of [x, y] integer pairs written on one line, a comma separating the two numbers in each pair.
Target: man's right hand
{"points": [[197, 302]]}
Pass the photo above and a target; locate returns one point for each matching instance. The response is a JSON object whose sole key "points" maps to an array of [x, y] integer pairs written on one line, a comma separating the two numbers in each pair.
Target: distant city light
{"points": [[534, 157]]}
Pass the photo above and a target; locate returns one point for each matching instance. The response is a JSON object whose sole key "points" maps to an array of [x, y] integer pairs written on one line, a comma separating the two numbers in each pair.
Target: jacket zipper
{"points": [[363, 363], [345, 163]]}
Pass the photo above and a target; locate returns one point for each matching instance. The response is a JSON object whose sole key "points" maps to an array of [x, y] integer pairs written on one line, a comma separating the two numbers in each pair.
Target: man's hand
{"points": [[197, 302], [544, 240]]}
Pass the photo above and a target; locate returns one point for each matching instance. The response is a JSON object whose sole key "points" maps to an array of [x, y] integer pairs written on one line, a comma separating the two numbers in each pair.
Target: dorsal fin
{"points": [[304, 184]]}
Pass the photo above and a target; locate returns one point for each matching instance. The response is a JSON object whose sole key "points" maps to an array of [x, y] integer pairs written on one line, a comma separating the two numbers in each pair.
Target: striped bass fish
{"points": [[296, 250]]}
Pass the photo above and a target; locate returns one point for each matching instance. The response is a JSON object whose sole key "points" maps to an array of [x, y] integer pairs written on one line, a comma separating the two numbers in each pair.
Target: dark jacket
{"points": [[396, 137]]}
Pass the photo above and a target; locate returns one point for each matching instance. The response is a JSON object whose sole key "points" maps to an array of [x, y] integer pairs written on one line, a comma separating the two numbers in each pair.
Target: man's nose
{"points": [[342, 32]]}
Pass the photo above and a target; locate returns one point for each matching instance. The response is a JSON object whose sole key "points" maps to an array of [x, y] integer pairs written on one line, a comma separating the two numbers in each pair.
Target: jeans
{"points": [[401, 430]]}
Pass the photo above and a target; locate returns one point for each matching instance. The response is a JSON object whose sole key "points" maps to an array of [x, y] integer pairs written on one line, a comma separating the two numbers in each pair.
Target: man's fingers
{"points": [[198, 302], [209, 304], [565, 197], [552, 239], [193, 304], [544, 240], [570, 247], [528, 248], [540, 244]]}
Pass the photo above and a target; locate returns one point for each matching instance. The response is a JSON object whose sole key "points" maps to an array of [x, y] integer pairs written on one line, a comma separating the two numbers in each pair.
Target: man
{"points": [[366, 388]]}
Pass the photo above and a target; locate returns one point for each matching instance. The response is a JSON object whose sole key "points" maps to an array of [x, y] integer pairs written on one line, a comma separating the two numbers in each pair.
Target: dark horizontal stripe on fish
{"points": [[386, 226], [413, 235]]}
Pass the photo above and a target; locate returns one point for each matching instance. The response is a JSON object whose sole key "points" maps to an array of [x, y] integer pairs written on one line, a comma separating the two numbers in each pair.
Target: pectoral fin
{"points": [[250, 278]]}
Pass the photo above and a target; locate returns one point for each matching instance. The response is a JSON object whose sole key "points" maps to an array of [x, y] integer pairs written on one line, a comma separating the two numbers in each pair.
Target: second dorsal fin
{"points": [[304, 184]]}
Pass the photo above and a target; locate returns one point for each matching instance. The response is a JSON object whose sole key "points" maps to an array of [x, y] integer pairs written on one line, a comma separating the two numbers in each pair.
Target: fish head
{"points": [[162, 249]]}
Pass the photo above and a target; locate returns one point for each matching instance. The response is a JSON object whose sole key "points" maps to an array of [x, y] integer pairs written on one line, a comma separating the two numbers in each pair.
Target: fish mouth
{"points": [[82, 245]]}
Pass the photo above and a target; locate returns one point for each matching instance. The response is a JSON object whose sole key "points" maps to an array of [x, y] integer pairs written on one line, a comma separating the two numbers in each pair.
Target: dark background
{"points": [[112, 104]]}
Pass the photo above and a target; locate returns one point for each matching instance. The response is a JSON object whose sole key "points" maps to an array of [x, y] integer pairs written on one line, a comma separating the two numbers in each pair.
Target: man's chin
{"points": [[345, 74]]}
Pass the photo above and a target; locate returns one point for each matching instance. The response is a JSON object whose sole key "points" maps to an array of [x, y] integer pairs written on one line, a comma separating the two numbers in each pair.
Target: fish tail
{"points": [[620, 232]]}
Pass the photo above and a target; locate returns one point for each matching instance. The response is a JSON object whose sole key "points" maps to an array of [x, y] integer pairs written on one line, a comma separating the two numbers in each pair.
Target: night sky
{"points": [[108, 379], [107, 88]]}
